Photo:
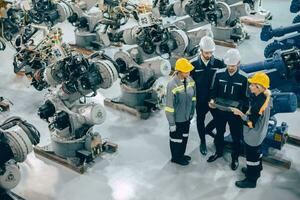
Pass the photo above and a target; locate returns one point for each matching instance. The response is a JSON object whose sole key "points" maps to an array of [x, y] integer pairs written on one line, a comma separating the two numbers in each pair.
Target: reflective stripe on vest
{"points": [[253, 163], [176, 140], [169, 109]]}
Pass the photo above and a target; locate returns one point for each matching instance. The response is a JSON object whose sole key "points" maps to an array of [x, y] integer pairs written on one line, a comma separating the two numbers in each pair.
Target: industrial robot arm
{"points": [[283, 69], [16, 140]]}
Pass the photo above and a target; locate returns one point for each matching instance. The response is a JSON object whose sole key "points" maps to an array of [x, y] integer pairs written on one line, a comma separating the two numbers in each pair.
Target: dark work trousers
{"points": [[210, 126], [254, 162], [178, 139], [236, 128], [202, 109]]}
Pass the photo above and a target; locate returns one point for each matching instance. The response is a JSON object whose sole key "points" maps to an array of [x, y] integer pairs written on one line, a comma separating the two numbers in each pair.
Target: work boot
{"points": [[188, 158], [181, 161], [213, 158], [234, 164], [203, 149], [246, 183]]}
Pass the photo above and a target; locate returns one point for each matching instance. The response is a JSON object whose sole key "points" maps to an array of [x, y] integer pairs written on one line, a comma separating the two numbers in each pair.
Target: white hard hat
{"points": [[232, 57], [207, 44]]}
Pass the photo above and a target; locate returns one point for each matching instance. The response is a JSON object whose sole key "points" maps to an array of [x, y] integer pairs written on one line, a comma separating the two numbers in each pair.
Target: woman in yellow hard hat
{"points": [[180, 107], [256, 122]]}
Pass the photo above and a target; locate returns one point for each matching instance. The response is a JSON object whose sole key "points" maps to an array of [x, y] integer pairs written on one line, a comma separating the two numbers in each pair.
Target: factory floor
{"points": [[141, 168]]}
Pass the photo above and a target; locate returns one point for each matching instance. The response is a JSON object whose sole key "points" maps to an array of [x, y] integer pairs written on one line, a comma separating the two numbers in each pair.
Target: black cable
{"points": [[68, 6]]}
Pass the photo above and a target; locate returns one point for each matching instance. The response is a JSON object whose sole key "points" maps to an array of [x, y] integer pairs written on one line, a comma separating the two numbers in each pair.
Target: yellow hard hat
{"points": [[183, 65], [260, 78]]}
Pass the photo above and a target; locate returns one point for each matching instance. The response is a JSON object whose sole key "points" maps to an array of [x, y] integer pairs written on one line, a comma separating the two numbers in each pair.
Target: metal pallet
{"points": [[80, 167], [248, 20], [225, 43], [124, 108]]}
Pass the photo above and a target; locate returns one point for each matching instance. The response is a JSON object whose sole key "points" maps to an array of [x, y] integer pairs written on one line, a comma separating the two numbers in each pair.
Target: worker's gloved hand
{"points": [[172, 128], [211, 104]]}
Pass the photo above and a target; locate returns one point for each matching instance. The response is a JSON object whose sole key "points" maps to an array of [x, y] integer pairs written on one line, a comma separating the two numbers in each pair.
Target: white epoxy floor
{"points": [[141, 168]]}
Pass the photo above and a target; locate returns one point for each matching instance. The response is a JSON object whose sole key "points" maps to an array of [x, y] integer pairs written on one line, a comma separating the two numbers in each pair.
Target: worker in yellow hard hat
{"points": [[180, 107], [256, 122]]}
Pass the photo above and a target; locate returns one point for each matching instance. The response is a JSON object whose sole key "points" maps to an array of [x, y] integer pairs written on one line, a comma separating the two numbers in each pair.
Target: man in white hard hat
{"points": [[230, 86], [206, 66]]}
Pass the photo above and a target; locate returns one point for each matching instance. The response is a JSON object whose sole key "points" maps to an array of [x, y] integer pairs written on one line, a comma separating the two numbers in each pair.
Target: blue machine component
{"points": [[277, 134], [295, 6], [276, 137], [283, 69], [296, 19], [284, 43], [268, 32]]}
